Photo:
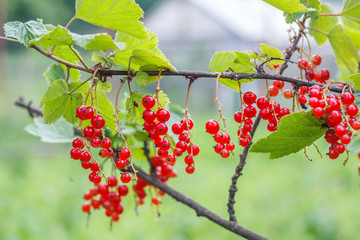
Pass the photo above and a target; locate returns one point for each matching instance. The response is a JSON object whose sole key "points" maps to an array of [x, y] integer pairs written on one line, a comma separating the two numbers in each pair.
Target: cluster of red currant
{"points": [[108, 196], [311, 73], [340, 114], [223, 145], [155, 126]]}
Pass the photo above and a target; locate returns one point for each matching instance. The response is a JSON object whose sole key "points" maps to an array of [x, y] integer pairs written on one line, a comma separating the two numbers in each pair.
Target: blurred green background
{"points": [[41, 187]]}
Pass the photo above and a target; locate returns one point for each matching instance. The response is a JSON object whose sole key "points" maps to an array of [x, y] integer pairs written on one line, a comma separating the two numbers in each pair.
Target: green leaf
{"points": [[323, 23], [354, 145], [95, 42], [134, 108], [355, 79], [150, 43], [24, 32], [163, 99], [57, 102], [352, 28], [344, 48], [54, 72], [142, 79], [65, 53], [145, 57], [272, 52], [288, 6], [119, 15], [106, 109], [57, 132], [296, 131], [237, 61], [58, 36], [104, 86], [351, 10]]}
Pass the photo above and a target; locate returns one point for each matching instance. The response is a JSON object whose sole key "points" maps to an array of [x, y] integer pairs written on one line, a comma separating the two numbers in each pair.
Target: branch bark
{"points": [[200, 210]]}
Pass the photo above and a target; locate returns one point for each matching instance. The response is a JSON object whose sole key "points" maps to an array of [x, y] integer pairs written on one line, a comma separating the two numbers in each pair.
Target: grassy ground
{"points": [[289, 198]]}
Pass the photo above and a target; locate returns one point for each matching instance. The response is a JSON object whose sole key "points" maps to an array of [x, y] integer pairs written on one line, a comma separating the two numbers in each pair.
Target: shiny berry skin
{"points": [[352, 110], [95, 142], [162, 115], [106, 143], [112, 181], [161, 128], [222, 138], [212, 126], [92, 175], [85, 156], [265, 113], [310, 75], [262, 102], [273, 91], [89, 132], [249, 98], [218, 147], [98, 121], [123, 190], [163, 153], [355, 125], [271, 127], [85, 165], [95, 167], [182, 145], [333, 154], [121, 163], [347, 98], [184, 137], [171, 159], [238, 117], [244, 142], [318, 112], [165, 145], [148, 101], [194, 149], [303, 90], [178, 152], [75, 153], [288, 93], [86, 207], [283, 112], [149, 115], [302, 99], [177, 128], [149, 125], [84, 112], [302, 64], [250, 111], [109, 152], [325, 74], [87, 196], [190, 169], [230, 146], [187, 125], [224, 153], [78, 143], [124, 153], [316, 59], [125, 177], [278, 84], [102, 153]]}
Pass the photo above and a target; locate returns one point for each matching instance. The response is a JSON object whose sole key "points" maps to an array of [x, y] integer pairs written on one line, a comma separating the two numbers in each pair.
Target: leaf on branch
{"points": [[351, 10], [237, 61], [96, 42], [147, 51], [142, 79], [57, 36], [57, 132], [104, 86], [25, 32], [323, 23], [352, 28], [58, 101], [54, 72], [288, 6], [355, 79], [119, 15], [295, 132], [272, 52], [344, 48], [134, 108], [65, 53]]}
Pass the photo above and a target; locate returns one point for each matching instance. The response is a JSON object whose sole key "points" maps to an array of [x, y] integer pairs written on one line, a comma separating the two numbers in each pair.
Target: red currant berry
{"points": [[249, 98], [121, 163], [85, 165], [250, 111], [333, 154], [187, 125], [124, 153], [161, 128], [288, 93], [148, 101], [95, 167], [218, 147], [190, 169], [149, 125], [102, 153], [212, 126], [273, 91], [125, 177], [278, 84], [318, 112], [95, 142], [177, 128], [86, 207], [316, 59], [184, 137], [310, 75], [149, 115], [123, 190], [85, 156], [193, 149], [106, 143], [347, 98], [224, 153], [230, 146], [302, 99], [352, 110], [325, 74], [86, 112], [238, 117], [271, 127], [75, 153], [302, 64], [98, 121], [178, 152], [355, 125], [262, 102], [109, 152], [244, 142], [189, 159], [112, 181], [162, 115], [89, 132], [78, 143]]}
